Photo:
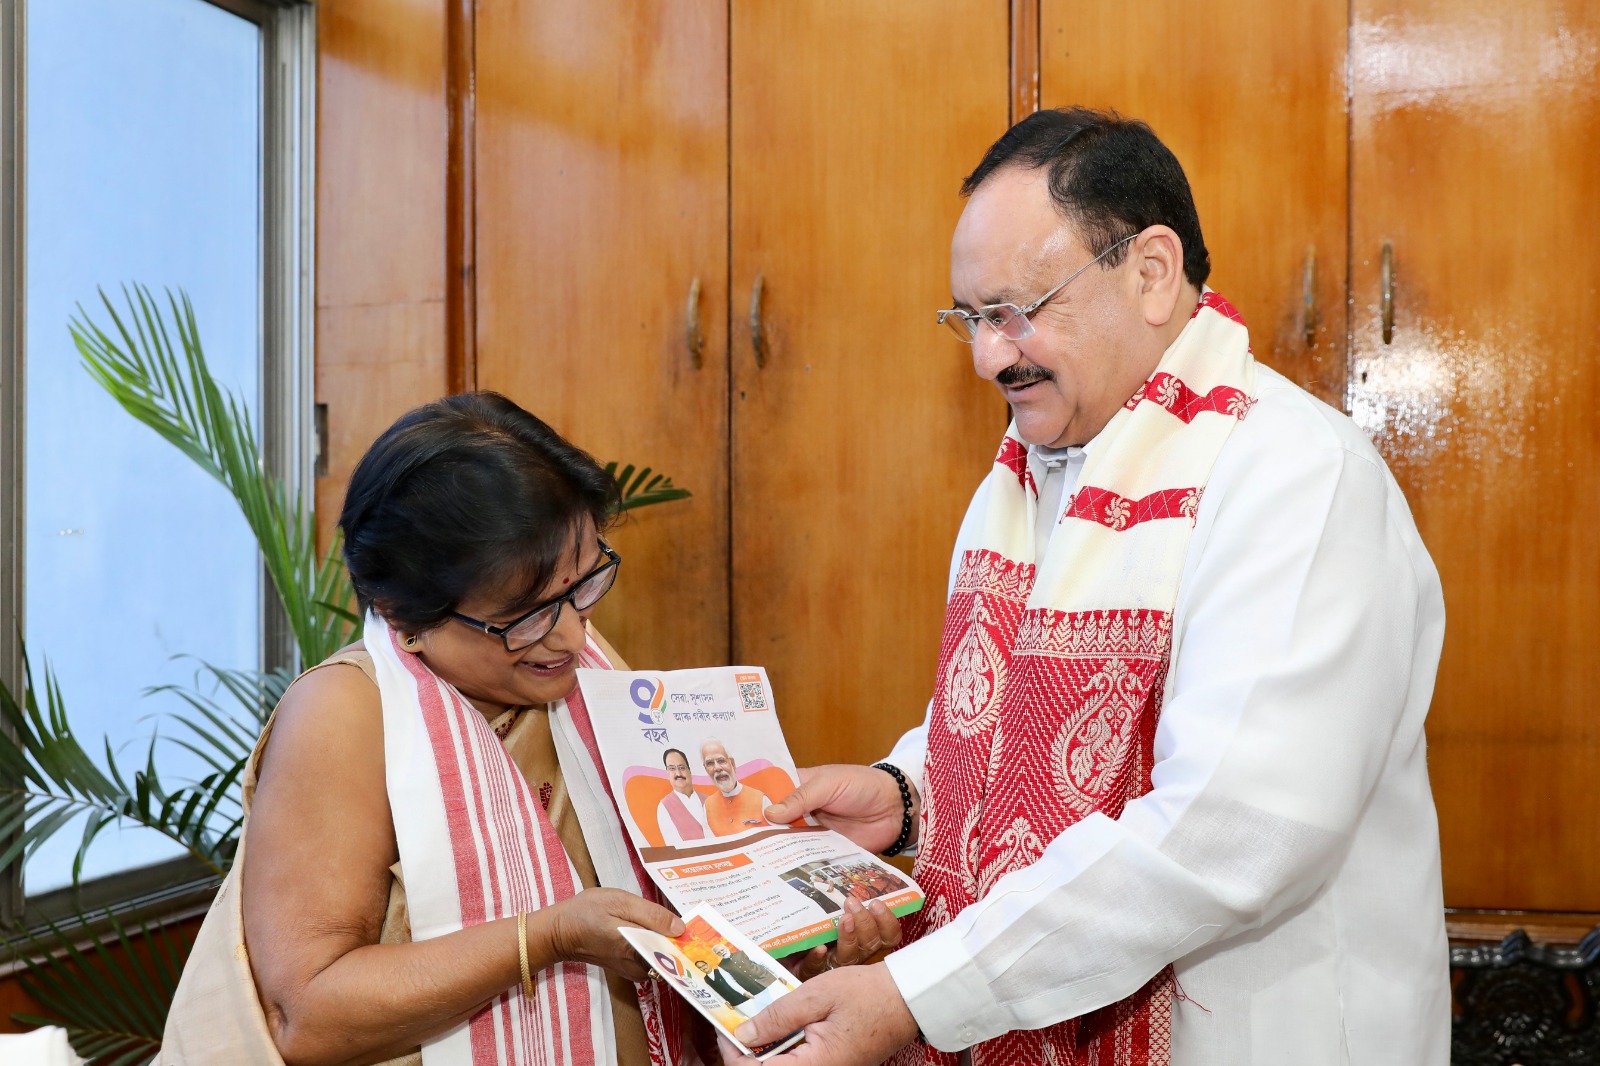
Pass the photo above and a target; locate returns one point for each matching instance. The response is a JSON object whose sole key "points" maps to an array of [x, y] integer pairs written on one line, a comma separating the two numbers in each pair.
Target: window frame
{"points": [[13, 426], [172, 889]]}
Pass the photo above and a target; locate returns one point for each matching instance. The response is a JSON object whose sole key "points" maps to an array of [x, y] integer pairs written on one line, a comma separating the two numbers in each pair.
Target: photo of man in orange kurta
{"points": [[734, 807]]}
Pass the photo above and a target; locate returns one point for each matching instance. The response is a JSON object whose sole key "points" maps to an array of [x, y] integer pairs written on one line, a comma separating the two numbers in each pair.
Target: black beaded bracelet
{"points": [[899, 844]]}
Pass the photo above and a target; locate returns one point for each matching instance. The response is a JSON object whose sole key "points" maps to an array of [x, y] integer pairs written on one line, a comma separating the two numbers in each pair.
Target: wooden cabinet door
{"points": [[1252, 102], [380, 247], [601, 200], [862, 431], [1476, 159]]}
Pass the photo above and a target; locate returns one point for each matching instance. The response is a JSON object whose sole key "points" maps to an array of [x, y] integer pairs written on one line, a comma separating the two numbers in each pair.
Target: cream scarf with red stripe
{"points": [[1051, 677], [475, 845]]}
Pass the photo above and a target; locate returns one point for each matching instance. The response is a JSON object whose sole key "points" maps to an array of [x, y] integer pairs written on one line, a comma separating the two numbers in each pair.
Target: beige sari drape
{"points": [[216, 1016]]}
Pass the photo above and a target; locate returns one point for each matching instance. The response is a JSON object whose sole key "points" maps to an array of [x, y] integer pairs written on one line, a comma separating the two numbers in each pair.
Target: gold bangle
{"points": [[522, 954]]}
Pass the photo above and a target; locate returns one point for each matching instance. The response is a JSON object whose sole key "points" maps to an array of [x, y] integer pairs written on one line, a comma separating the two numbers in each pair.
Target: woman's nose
{"points": [[570, 632]]}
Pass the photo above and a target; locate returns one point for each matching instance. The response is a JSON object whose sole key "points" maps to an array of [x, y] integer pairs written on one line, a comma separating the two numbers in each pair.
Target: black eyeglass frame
{"points": [[612, 562]]}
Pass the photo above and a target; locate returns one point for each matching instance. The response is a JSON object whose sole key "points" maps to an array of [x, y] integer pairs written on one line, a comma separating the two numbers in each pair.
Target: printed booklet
{"points": [[719, 970], [694, 757]]}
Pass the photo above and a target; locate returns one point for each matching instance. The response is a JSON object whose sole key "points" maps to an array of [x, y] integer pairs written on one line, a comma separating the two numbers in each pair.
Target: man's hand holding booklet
{"points": [[694, 758], [721, 971]]}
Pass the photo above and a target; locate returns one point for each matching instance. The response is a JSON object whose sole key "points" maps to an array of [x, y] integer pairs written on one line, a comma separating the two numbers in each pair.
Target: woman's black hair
{"points": [[465, 494]]}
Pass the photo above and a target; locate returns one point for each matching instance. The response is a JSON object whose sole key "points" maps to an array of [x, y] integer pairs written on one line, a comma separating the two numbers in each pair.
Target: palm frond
{"points": [[48, 778], [150, 360], [642, 487], [255, 692], [112, 994]]}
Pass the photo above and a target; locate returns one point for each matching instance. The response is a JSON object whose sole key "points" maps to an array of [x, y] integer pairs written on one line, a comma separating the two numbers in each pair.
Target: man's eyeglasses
{"points": [[1009, 320], [534, 626]]}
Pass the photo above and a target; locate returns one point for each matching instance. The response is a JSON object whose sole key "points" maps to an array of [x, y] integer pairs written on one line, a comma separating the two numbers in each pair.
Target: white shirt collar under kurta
{"points": [[1055, 471]]}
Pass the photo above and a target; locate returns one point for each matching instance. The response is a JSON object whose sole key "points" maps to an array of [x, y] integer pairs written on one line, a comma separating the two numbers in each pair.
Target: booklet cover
{"points": [[719, 970], [694, 757]]}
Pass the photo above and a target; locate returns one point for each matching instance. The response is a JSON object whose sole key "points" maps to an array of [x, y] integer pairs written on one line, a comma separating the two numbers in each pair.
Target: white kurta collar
{"points": [[1065, 463]]}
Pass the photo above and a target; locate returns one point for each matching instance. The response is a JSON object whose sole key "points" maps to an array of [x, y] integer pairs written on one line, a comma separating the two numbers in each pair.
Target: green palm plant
{"points": [[116, 990], [170, 388], [47, 778], [150, 360]]}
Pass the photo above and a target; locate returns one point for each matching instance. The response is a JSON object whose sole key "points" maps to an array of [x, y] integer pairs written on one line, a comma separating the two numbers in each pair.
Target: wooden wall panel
{"points": [[1477, 158], [380, 223], [601, 196], [858, 445], [13, 1000], [1252, 102], [1024, 58]]}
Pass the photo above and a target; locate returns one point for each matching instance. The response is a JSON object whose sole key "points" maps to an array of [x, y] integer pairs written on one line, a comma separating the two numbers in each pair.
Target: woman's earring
{"points": [[411, 642]]}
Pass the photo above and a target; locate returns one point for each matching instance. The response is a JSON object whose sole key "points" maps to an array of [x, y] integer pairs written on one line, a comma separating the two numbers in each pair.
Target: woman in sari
{"points": [[436, 870]]}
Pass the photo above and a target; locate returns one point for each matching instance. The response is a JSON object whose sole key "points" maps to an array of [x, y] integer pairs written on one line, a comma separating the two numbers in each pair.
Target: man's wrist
{"points": [[903, 1026], [916, 816], [908, 811]]}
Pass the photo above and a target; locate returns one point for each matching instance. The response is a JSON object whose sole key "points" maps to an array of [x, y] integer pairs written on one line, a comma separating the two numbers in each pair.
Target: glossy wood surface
{"points": [[460, 188], [1542, 927], [1477, 156], [380, 223], [13, 1000], [602, 179], [1024, 58], [1252, 103], [859, 444], [829, 483]]}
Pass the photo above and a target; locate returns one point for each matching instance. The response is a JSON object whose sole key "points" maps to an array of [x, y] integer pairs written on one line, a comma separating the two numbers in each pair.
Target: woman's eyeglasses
{"points": [[534, 626]]}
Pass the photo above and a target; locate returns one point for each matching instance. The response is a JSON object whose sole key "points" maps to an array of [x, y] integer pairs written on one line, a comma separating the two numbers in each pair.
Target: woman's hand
{"points": [[584, 929], [864, 931]]}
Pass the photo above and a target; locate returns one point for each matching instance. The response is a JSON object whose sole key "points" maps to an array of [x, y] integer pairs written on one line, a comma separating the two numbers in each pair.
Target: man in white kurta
{"points": [[1284, 861], [1290, 836]]}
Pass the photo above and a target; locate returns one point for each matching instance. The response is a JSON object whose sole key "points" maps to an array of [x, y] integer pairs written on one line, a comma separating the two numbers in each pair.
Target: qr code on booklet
{"points": [[752, 693]]}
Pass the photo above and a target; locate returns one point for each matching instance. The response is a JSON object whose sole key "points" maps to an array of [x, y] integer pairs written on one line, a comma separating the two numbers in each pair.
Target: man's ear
{"points": [[1158, 252]]}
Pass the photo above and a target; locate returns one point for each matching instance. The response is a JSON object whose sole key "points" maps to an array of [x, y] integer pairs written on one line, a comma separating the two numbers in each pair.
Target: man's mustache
{"points": [[1021, 374]]}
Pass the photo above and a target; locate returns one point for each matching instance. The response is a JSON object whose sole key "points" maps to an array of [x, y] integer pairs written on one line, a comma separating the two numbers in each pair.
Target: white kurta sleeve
{"points": [[1294, 635]]}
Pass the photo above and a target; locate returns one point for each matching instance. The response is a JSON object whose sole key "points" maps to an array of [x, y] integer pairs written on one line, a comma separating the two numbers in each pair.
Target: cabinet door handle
{"points": [[696, 339], [1387, 270], [1309, 296], [758, 331]]}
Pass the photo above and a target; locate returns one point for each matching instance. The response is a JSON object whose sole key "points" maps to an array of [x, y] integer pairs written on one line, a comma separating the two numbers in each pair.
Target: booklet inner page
{"points": [[694, 757]]}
